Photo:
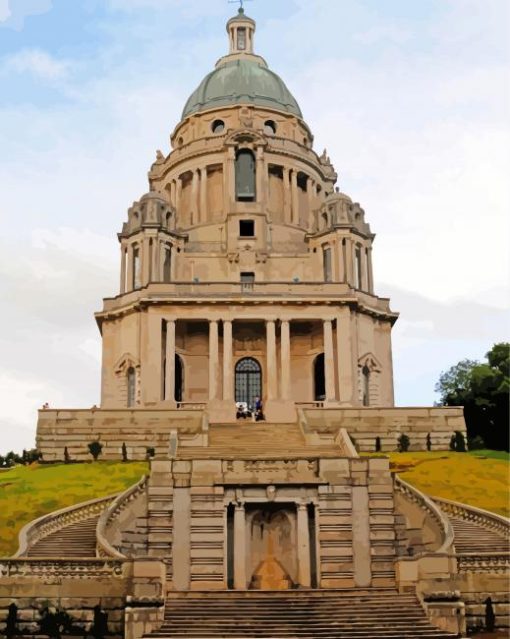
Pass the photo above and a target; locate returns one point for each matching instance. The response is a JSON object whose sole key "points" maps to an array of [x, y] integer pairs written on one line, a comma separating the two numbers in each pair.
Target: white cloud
{"points": [[19, 10], [36, 62], [5, 12]]}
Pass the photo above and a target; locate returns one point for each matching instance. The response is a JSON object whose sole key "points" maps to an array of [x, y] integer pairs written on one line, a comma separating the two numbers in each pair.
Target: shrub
{"points": [[54, 624], [124, 452], [151, 451], [100, 625], [403, 443], [95, 449], [11, 621], [377, 444], [452, 442], [460, 442], [476, 443], [490, 617], [429, 442], [67, 459]]}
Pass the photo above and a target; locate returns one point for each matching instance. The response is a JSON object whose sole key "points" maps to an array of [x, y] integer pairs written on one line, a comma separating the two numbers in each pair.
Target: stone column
{"points": [[370, 274], [130, 268], [123, 256], [285, 359], [259, 175], [170, 361], [156, 260], [286, 196], [329, 364], [146, 261], [239, 547], [272, 378], [344, 355], [349, 261], [303, 546], [213, 359], [203, 194], [361, 557], [310, 187], [181, 547], [178, 194], [294, 195], [194, 197], [172, 193], [227, 360], [229, 180]]}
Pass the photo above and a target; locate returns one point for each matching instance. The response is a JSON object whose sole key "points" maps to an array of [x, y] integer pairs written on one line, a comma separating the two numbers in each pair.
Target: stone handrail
{"points": [[73, 568], [116, 506], [485, 518], [413, 494], [47, 524], [345, 443], [484, 562]]}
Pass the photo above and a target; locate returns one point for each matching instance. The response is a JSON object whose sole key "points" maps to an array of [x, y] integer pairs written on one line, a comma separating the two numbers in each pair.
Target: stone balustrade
{"points": [[440, 519], [493, 563], [47, 524], [69, 568], [103, 546], [489, 520]]}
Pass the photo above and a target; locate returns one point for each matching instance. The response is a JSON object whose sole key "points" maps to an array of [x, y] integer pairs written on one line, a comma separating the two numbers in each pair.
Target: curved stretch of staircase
{"points": [[74, 540], [471, 537], [305, 614]]}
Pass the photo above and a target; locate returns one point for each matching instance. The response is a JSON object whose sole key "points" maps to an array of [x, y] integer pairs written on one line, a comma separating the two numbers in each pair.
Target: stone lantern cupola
{"points": [[241, 29]]}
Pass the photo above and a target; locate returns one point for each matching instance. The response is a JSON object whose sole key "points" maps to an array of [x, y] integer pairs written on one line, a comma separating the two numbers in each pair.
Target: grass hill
{"points": [[27, 492], [479, 478]]}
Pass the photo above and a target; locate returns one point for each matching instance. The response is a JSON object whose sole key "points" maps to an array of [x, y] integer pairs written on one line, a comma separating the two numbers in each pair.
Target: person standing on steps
{"points": [[259, 414]]}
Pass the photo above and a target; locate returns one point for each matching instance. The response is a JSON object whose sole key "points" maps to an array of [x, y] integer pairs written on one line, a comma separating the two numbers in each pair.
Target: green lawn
{"points": [[480, 477], [27, 492]]}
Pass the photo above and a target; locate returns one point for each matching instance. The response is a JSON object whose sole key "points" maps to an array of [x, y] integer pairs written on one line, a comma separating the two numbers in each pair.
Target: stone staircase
{"points": [[334, 614], [74, 540], [471, 537], [257, 440]]}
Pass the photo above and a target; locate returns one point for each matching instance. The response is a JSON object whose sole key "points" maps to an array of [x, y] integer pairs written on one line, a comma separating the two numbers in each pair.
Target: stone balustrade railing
{"points": [[72, 568], [494, 563], [484, 518], [442, 521], [103, 547], [47, 524]]}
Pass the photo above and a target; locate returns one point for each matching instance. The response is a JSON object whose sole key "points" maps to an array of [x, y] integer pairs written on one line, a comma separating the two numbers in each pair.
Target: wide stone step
{"points": [[471, 537], [312, 614], [75, 540]]}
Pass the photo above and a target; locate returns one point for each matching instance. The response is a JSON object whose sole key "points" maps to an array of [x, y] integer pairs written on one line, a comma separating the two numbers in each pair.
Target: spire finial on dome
{"points": [[240, 29]]}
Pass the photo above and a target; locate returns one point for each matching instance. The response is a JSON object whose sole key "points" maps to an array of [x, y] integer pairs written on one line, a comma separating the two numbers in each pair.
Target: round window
{"points": [[218, 126], [269, 127]]}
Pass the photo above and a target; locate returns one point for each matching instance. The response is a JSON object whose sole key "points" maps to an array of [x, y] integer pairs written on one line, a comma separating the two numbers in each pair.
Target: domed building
{"points": [[247, 357]]}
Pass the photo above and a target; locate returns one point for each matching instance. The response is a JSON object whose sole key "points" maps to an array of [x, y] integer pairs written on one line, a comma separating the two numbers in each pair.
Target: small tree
{"points": [[452, 442], [403, 443], [124, 452], [67, 458], [490, 617], [460, 442], [377, 444], [54, 624], [429, 442], [151, 451], [11, 621], [100, 625], [95, 449]]}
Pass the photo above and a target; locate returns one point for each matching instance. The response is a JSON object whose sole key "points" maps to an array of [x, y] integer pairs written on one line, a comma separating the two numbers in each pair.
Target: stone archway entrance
{"points": [[273, 557], [248, 380]]}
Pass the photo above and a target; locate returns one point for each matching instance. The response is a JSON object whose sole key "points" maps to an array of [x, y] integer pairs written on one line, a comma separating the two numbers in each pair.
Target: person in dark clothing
{"points": [[259, 414]]}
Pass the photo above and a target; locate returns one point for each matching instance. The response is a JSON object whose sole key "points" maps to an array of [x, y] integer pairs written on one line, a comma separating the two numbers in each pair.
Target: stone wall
{"points": [[137, 428], [366, 424]]}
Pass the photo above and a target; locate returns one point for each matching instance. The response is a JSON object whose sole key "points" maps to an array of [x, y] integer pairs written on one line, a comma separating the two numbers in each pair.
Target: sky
{"points": [[411, 100]]}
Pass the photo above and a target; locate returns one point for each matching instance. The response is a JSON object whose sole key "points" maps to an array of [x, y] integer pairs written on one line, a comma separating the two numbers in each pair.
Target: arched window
{"points": [[137, 279], [218, 126], [248, 380], [269, 127], [365, 377], [167, 263], [319, 378], [357, 268], [245, 176], [131, 386], [326, 262], [179, 379]]}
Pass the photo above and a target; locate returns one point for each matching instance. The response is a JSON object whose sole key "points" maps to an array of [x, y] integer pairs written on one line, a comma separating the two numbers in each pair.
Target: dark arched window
{"points": [[245, 176], [167, 263], [179, 379], [248, 380], [365, 375], [131, 386], [319, 378]]}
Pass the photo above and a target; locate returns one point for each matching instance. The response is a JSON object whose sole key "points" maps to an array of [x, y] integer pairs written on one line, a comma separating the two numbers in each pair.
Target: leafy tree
{"points": [[429, 442], [403, 443], [124, 452], [452, 442], [377, 444], [151, 451], [460, 442], [11, 621], [67, 457], [483, 390], [95, 449]]}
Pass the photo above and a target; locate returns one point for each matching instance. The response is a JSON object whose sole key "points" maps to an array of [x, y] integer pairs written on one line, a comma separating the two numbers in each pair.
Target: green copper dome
{"points": [[242, 81]]}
